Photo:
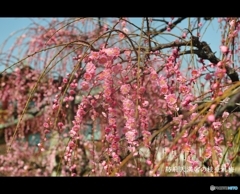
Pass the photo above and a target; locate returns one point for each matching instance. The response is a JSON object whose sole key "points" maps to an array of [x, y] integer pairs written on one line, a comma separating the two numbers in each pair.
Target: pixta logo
{"points": [[233, 188], [212, 187]]}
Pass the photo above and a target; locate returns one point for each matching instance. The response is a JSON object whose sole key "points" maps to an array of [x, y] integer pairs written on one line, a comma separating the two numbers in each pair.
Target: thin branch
{"points": [[175, 23], [203, 51], [148, 32], [160, 20]]}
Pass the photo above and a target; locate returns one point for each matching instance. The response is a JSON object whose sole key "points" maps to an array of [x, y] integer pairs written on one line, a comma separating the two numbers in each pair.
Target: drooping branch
{"points": [[30, 114]]}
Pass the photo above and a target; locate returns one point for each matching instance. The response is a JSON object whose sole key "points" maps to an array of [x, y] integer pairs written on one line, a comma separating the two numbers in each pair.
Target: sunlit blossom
{"points": [[224, 49], [171, 99], [125, 89]]}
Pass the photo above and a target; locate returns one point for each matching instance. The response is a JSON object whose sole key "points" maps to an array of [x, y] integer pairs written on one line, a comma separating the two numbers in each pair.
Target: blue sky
{"points": [[10, 25], [211, 36]]}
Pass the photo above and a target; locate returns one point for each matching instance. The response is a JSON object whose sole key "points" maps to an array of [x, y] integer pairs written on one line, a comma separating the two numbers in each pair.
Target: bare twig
{"points": [[179, 20]]}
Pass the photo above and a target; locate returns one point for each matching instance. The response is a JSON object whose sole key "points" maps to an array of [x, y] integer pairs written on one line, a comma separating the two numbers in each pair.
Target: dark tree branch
{"points": [[171, 44], [231, 105], [179, 20], [207, 18], [203, 51], [231, 73], [148, 32], [160, 20]]}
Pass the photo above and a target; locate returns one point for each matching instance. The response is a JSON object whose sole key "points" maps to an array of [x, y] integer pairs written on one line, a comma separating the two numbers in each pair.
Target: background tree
{"points": [[105, 97]]}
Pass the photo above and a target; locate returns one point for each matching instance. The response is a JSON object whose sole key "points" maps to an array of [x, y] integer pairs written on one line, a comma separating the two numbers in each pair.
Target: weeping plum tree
{"points": [[108, 97]]}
